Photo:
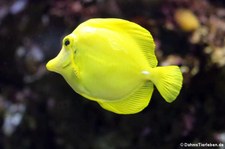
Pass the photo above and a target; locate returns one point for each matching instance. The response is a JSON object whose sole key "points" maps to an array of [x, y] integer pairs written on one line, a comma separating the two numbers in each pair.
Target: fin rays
{"points": [[168, 80], [133, 103], [140, 35]]}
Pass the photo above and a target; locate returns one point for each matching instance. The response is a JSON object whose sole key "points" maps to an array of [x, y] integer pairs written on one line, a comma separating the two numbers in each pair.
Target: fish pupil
{"points": [[67, 42]]}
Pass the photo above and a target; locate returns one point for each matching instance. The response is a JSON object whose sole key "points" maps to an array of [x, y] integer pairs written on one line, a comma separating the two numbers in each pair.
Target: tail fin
{"points": [[168, 80]]}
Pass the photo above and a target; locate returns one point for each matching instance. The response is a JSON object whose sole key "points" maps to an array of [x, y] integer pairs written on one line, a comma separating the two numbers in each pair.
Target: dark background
{"points": [[38, 109]]}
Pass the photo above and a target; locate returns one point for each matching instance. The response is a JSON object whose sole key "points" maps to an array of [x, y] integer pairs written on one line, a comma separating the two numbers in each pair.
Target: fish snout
{"points": [[58, 63]]}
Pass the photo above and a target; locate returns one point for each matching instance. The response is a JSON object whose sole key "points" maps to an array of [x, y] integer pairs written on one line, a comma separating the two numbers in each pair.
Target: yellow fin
{"points": [[132, 104], [142, 36], [168, 81]]}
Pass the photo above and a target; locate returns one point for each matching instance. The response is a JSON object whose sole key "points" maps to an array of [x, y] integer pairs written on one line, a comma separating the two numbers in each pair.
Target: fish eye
{"points": [[67, 42]]}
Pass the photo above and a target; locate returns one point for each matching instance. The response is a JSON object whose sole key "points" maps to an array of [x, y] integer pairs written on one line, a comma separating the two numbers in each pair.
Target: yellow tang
{"points": [[112, 62]]}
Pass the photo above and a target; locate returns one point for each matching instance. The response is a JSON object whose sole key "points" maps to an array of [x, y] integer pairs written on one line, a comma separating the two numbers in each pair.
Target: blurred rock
{"points": [[18, 6], [13, 116], [30, 57], [186, 20]]}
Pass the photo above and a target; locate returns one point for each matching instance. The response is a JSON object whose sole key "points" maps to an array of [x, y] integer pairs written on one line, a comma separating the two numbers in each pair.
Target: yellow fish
{"points": [[112, 61]]}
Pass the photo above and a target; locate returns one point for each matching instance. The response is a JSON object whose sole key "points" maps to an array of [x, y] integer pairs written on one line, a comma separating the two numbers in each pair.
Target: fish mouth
{"points": [[53, 66], [59, 63], [66, 65]]}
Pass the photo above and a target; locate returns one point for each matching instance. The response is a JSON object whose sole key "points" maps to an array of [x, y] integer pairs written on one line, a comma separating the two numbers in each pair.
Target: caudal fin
{"points": [[168, 80]]}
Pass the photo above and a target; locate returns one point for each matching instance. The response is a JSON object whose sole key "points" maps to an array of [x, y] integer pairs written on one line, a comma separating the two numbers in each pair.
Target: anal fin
{"points": [[134, 103]]}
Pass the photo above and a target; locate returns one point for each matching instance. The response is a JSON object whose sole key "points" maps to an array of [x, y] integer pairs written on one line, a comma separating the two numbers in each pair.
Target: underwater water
{"points": [[39, 110]]}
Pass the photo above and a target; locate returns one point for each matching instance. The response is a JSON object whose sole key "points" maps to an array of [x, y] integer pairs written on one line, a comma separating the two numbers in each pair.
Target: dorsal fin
{"points": [[139, 34]]}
